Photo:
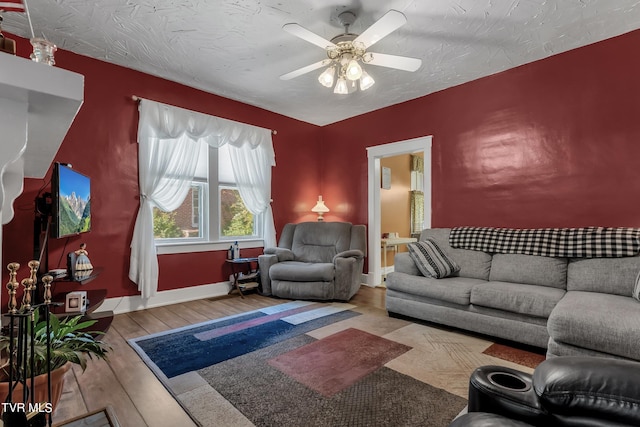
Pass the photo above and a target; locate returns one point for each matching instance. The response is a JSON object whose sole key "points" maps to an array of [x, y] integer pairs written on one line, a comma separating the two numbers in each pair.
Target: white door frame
{"points": [[374, 155]]}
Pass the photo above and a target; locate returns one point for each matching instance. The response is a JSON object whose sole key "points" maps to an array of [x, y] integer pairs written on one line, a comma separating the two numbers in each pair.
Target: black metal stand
{"points": [[21, 357], [26, 413]]}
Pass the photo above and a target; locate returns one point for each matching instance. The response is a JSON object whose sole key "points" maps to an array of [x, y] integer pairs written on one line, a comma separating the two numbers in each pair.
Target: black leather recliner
{"points": [[563, 391]]}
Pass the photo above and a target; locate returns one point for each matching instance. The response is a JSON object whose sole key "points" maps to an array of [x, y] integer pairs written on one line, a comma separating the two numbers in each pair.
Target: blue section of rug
{"points": [[180, 352]]}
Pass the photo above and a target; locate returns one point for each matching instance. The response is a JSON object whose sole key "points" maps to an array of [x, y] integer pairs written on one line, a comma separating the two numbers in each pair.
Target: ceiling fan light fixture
{"points": [[347, 53], [326, 78], [354, 70], [366, 81], [341, 87]]}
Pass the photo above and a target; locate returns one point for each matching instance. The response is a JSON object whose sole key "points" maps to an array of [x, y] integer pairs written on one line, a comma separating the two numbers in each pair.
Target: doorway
{"points": [[374, 155]]}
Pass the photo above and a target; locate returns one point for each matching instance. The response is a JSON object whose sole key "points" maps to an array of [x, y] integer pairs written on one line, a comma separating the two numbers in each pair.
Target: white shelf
{"points": [[38, 103], [53, 97]]}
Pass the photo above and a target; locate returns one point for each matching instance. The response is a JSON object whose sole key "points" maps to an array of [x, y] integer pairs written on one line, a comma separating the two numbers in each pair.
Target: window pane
{"points": [[183, 222], [235, 218], [417, 181], [202, 168], [225, 172], [195, 208]]}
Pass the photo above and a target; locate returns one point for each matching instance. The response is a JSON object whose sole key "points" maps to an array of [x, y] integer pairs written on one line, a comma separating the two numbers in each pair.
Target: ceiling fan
{"points": [[346, 52]]}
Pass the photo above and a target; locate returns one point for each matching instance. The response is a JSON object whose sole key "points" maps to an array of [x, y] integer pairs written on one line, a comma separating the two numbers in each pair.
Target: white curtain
{"points": [[167, 153], [253, 177]]}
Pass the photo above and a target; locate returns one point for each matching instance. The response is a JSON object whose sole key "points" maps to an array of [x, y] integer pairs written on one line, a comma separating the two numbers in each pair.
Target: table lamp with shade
{"points": [[320, 208]]}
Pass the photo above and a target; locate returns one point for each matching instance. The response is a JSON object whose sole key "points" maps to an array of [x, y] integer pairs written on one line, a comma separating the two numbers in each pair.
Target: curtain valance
{"points": [[162, 121]]}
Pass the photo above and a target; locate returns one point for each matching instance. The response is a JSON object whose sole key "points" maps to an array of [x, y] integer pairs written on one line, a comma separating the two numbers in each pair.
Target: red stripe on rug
{"points": [[515, 355], [334, 363], [218, 332]]}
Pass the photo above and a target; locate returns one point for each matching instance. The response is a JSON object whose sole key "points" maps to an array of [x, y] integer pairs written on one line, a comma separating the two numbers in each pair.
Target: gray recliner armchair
{"points": [[315, 261]]}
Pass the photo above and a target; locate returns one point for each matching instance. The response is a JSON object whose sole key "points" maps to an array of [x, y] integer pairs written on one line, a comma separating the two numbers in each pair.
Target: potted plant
{"points": [[70, 343]]}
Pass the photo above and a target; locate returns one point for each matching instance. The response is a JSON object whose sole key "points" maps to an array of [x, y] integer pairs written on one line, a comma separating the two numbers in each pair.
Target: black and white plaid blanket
{"points": [[588, 242]]}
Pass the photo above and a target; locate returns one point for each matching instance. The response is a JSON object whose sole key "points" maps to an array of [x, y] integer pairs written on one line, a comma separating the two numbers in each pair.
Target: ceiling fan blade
{"points": [[390, 21], [393, 61], [305, 70], [304, 34]]}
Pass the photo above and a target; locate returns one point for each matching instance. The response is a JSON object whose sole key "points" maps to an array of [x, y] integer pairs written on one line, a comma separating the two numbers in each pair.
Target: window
{"points": [[168, 140], [213, 210], [184, 222], [417, 180], [195, 206], [235, 218]]}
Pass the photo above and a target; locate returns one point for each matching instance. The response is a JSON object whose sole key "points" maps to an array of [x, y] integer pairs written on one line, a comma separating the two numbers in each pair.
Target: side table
{"points": [[245, 277], [394, 242]]}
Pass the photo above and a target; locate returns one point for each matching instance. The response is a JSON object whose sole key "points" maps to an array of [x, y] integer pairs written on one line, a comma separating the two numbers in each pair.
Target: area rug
{"points": [[516, 355], [265, 368]]}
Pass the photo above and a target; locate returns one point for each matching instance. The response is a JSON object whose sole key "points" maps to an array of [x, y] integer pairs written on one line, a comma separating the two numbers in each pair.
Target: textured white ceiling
{"points": [[237, 48]]}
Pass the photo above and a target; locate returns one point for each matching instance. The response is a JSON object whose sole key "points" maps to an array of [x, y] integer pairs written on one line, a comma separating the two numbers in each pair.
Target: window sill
{"points": [[190, 247]]}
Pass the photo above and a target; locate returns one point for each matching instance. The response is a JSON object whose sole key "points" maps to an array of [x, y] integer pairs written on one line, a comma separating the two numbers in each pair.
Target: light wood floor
{"points": [[439, 356], [124, 381]]}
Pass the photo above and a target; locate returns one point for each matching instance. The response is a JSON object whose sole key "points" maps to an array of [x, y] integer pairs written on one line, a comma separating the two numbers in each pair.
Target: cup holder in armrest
{"points": [[508, 381], [508, 392]]}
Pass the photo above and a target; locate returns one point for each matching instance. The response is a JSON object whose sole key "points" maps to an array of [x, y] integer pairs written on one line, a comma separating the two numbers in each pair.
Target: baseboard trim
{"points": [[131, 303], [368, 279], [364, 280]]}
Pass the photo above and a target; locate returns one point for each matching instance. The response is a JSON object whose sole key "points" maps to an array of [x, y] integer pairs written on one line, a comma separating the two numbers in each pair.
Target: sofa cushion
{"points": [[304, 290], [605, 392], [455, 290], [403, 263], [607, 275], [296, 271], [529, 269], [473, 264], [320, 242], [431, 260], [517, 298], [636, 288], [601, 322]]}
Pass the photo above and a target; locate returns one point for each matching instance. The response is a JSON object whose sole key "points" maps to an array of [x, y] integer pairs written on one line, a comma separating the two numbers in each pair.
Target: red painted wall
{"points": [[102, 144], [553, 143]]}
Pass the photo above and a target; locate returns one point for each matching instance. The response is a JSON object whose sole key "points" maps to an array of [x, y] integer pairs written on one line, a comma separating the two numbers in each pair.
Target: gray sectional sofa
{"points": [[570, 306]]}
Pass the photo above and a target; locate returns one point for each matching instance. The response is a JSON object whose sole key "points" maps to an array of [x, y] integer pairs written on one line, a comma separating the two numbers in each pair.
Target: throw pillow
{"points": [[636, 289], [431, 260]]}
